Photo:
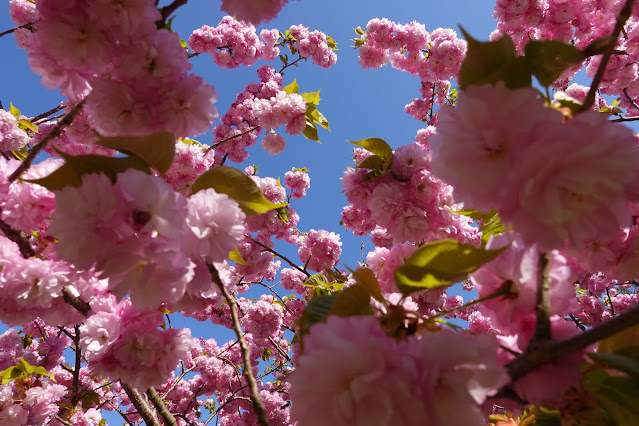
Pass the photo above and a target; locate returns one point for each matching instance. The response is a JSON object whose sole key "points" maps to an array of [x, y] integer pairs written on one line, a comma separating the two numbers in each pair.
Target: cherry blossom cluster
{"points": [[233, 43], [432, 56], [260, 105], [408, 203], [582, 23], [130, 232], [414, 379], [99, 49], [253, 11], [12, 137], [565, 190]]}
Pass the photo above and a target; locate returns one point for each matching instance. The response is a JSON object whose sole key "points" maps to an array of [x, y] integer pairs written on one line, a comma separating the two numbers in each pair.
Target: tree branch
{"points": [[542, 309], [284, 258], [83, 307], [216, 144], [27, 25], [258, 407], [141, 405], [16, 236], [54, 133], [623, 16], [161, 407], [551, 351]]}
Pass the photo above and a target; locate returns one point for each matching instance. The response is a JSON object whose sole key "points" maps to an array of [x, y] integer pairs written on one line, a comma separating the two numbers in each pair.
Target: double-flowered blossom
{"points": [[12, 138], [148, 240], [442, 377], [126, 344], [558, 183], [253, 11]]}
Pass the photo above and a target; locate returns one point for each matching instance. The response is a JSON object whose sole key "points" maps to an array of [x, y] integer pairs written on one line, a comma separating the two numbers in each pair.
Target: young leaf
{"points": [[238, 186], [70, 173], [373, 162], [490, 62], [14, 111], [317, 117], [377, 146], [312, 98], [353, 300], [25, 124], [626, 364], [157, 149], [317, 280], [236, 257], [623, 339], [367, 279], [441, 263], [310, 131], [618, 396], [549, 59], [292, 88]]}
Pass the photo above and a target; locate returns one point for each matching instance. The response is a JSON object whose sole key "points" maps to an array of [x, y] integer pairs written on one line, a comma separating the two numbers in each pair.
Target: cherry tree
{"points": [[520, 189]]}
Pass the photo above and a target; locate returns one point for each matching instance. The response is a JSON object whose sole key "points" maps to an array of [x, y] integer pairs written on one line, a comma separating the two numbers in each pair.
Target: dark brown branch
{"points": [[258, 407], [141, 405], [47, 113], [621, 120], [551, 351], [27, 25], [160, 407], [16, 236], [542, 309], [54, 133], [633, 103], [166, 11], [280, 350], [216, 144], [83, 307], [623, 16], [76, 370], [270, 250]]}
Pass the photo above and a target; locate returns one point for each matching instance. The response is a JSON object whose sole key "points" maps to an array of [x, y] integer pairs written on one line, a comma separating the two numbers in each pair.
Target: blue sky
{"points": [[358, 103]]}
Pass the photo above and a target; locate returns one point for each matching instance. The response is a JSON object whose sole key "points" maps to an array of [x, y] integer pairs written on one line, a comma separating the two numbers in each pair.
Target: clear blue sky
{"points": [[358, 103]]}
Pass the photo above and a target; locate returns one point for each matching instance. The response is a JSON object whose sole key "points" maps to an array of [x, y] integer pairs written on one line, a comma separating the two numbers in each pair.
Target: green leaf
{"points": [[618, 396], [360, 31], [566, 101], [236, 257], [157, 149], [549, 59], [238, 186], [490, 62], [310, 131], [14, 111], [312, 98], [330, 42], [25, 124], [367, 279], [9, 374], [292, 88], [441, 263], [22, 154], [317, 117], [626, 364], [70, 173], [353, 300], [317, 280], [377, 146], [316, 311], [373, 162]]}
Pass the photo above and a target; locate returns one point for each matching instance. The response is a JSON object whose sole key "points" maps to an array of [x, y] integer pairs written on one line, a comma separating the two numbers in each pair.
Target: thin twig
{"points": [[216, 144], [621, 120], [284, 258], [623, 16], [161, 407], [280, 350], [27, 25], [141, 405], [612, 308], [76, 370], [550, 351], [258, 407], [54, 133], [46, 114], [166, 11], [542, 310]]}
